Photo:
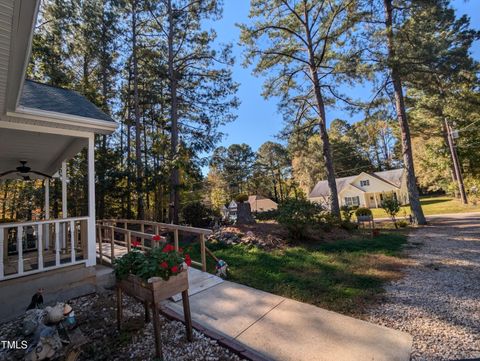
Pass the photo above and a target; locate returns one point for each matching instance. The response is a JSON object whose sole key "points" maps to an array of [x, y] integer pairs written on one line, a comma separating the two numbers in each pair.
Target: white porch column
{"points": [[64, 204], [47, 213], [375, 198], [64, 190], [92, 251]]}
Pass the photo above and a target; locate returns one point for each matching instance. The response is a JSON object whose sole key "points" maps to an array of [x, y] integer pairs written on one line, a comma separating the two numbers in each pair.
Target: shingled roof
{"points": [[393, 177], [54, 99]]}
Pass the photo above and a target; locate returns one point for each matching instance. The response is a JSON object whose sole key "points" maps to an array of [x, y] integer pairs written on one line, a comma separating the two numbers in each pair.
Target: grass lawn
{"points": [[341, 276], [433, 205]]}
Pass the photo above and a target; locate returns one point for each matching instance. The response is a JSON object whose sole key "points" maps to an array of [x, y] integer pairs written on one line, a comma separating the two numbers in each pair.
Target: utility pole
{"points": [[456, 163]]}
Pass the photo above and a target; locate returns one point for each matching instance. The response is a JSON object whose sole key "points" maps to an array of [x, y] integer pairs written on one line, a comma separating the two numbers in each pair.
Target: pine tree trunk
{"points": [[175, 177], [138, 128], [413, 194], [326, 148]]}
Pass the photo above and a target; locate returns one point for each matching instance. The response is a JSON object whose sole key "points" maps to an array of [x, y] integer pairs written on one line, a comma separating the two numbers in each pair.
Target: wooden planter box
{"points": [[151, 293]]}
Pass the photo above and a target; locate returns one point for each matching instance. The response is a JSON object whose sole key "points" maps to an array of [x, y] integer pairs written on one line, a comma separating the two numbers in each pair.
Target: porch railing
{"points": [[122, 231], [33, 247]]}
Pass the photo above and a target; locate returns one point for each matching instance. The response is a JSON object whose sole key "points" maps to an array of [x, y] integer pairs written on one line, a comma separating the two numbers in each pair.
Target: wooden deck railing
{"points": [[38, 246], [108, 231]]}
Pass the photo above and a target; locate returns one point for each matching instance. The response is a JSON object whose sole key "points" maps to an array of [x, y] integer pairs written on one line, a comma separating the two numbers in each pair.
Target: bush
{"points": [[363, 212], [241, 198], [391, 206], [347, 213], [298, 214], [402, 223], [267, 216], [196, 214]]}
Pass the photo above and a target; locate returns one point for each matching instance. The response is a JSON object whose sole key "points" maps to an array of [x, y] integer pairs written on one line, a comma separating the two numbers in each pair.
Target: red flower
{"points": [[180, 250], [164, 265], [157, 238], [188, 260], [174, 269], [136, 244], [168, 248]]}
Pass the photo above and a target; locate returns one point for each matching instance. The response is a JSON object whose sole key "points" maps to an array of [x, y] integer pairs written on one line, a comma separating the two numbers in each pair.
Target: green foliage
{"points": [[347, 213], [196, 214], [362, 211], [241, 198], [391, 206], [267, 216], [298, 214], [161, 262]]}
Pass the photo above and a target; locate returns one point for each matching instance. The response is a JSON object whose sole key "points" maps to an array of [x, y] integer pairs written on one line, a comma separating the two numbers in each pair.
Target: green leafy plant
{"points": [[362, 212], [297, 214], [391, 206], [241, 198], [163, 262], [196, 214]]}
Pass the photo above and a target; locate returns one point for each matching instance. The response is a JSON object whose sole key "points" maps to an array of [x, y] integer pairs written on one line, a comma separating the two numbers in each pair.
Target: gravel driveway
{"points": [[438, 300]]}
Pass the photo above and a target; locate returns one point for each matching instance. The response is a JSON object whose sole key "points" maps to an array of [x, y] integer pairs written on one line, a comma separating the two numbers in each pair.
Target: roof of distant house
{"points": [[55, 99], [393, 176]]}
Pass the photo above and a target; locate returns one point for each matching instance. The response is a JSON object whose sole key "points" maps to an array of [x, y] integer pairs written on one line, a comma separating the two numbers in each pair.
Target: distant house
{"points": [[365, 189], [260, 204]]}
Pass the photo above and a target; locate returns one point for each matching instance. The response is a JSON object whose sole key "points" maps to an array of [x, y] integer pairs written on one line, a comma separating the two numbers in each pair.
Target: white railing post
{"points": [[72, 240], [40, 246], [20, 249], [57, 243], [2, 272]]}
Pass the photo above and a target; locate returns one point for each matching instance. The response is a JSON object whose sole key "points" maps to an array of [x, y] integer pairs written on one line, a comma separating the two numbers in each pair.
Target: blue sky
{"points": [[258, 119]]}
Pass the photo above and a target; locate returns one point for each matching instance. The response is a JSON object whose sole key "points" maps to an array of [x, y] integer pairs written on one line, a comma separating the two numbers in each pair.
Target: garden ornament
{"points": [[32, 319], [45, 345], [55, 314], [221, 268]]}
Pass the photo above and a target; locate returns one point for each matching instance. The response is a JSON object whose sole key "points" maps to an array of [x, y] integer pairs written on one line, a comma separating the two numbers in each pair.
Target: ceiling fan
{"points": [[23, 171]]}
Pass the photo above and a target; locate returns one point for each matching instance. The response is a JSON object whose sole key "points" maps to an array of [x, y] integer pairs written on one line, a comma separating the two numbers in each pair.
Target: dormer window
{"points": [[364, 183]]}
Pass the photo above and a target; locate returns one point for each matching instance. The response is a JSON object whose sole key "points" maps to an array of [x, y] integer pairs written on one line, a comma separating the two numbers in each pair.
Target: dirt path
{"points": [[438, 300]]}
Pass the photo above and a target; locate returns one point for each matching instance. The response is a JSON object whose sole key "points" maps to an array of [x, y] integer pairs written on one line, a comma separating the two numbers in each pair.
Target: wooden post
{"points": [[112, 245], [100, 243], [175, 239], [92, 252], [187, 315], [128, 235], [119, 308], [156, 329], [203, 253]]}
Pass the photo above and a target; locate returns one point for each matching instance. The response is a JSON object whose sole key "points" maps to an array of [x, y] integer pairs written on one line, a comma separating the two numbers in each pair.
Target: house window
{"points": [[352, 201], [364, 183]]}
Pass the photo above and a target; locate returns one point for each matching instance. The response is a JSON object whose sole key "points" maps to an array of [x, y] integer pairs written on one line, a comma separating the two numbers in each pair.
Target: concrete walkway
{"points": [[283, 329]]}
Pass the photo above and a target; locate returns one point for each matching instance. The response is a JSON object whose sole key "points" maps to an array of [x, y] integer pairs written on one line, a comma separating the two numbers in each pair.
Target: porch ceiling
{"points": [[43, 152]]}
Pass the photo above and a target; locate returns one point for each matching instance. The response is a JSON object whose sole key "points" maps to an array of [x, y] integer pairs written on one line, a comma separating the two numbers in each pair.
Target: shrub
{"points": [[402, 223], [196, 214], [267, 216], [298, 214], [241, 198], [391, 206], [363, 212], [347, 213]]}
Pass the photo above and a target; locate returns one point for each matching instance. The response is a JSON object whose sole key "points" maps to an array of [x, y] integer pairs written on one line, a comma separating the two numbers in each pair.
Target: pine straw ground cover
{"points": [[345, 276]]}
